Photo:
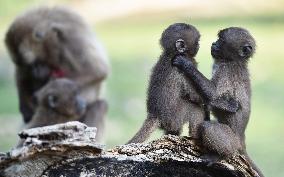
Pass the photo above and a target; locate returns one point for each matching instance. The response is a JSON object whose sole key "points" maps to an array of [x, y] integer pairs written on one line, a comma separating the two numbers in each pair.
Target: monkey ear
{"points": [[181, 46], [245, 51], [52, 101]]}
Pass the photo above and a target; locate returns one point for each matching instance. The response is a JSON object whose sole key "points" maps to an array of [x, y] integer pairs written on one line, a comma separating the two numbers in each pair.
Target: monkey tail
{"points": [[260, 174], [149, 126]]}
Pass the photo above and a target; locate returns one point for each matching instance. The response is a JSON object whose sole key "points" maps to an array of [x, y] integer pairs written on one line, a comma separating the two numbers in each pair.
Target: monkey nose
{"points": [[214, 46]]}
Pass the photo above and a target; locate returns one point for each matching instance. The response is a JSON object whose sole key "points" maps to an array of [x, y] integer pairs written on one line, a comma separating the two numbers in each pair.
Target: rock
{"points": [[70, 149]]}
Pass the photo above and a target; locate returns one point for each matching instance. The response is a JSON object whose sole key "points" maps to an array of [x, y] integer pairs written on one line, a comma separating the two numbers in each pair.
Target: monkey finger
{"points": [[178, 61]]}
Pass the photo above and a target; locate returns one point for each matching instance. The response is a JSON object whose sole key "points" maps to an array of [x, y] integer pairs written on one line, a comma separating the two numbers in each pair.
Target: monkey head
{"points": [[38, 42], [233, 44], [61, 97], [180, 38], [40, 34]]}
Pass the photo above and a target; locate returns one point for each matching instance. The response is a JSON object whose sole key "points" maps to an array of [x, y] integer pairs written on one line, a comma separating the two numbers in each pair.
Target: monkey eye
{"points": [[52, 101], [38, 36], [246, 50]]}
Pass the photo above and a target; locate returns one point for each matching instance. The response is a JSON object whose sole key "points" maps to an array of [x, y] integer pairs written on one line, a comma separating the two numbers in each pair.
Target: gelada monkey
{"points": [[230, 84], [172, 100], [54, 42], [59, 102]]}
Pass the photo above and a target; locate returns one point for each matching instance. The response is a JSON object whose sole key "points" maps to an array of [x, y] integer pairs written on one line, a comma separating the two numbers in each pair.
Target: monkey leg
{"points": [[148, 127], [196, 116], [219, 138], [95, 116]]}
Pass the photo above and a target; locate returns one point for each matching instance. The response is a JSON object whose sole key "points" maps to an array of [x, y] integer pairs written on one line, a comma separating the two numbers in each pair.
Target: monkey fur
{"points": [[59, 101], [172, 100], [230, 83], [47, 43]]}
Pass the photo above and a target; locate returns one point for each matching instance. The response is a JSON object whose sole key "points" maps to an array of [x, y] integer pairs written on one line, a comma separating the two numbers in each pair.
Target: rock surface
{"points": [[70, 150]]}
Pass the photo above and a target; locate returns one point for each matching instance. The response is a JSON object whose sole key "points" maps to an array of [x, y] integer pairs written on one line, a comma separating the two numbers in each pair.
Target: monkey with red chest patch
{"points": [[46, 43]]}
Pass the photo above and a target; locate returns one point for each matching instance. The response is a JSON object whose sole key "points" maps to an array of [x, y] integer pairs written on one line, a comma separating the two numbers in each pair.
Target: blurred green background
{"points": [[130, 31]]}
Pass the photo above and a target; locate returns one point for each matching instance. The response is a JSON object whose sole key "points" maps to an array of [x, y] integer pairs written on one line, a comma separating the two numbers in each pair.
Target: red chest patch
{"points": [[57, 73]]}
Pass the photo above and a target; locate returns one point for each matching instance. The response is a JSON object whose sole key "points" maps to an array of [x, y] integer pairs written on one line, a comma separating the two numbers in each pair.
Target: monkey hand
{"points": [[182, 62], [226, 103], [233, 105]]}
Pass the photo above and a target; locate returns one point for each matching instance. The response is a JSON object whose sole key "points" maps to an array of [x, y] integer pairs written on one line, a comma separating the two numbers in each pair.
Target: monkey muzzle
{"points": [[215, 49], [215, 46]]}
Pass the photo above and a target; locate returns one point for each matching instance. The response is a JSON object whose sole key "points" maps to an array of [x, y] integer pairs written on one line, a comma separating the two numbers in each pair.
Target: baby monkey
{"points": [[172, 99], [229, 89], [58, 102]]}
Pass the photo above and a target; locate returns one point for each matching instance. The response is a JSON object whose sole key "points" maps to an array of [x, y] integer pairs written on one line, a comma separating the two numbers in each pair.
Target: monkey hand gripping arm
{"points": [[205, 86]]}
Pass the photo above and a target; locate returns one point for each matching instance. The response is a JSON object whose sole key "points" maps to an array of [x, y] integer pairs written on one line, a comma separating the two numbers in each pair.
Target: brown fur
{"points": [[45, 40], [172, 100], [95, 117], [58, 102], [230, 83], [231, 76]]}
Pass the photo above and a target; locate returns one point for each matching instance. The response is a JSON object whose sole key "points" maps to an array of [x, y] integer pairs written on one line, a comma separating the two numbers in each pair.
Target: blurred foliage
{"points": [[133, 46]]}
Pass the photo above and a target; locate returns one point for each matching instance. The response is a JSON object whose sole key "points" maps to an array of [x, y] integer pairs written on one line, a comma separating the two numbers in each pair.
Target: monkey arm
{"points": [[89, 72], [206, 88], [82, 61], [25, 96], [30, 77], [95, 74]]}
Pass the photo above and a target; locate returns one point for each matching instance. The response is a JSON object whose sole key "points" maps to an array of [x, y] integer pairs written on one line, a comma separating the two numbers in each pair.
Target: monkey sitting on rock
{"points": [[230, 82], [172, 99], [59, 101]]}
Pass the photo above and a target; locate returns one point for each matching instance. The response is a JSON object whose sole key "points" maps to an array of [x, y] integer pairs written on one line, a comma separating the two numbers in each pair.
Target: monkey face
{"points": [[41, 44], [61, 96], [32, 40], [180, 38], [233, 44]]}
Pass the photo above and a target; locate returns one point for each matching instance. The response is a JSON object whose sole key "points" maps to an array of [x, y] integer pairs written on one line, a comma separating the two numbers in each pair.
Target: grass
{"points": [[133, 49]]}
